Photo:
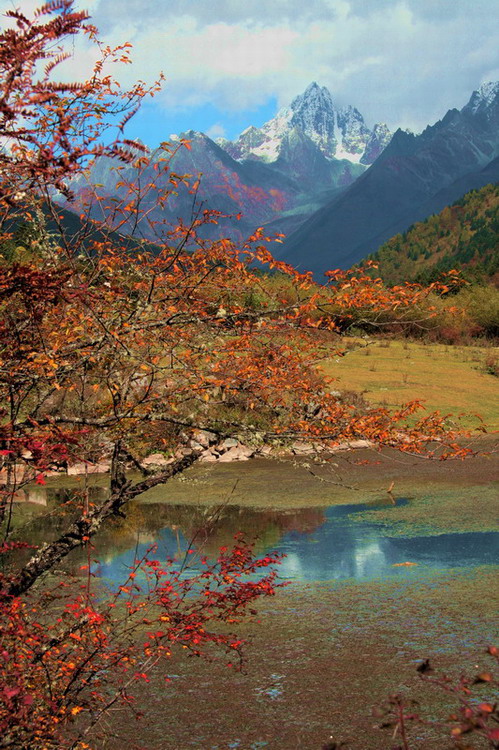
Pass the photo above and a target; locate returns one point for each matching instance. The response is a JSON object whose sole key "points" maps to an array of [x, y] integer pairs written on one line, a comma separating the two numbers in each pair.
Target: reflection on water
{"points": [[319, 543], [344, 549]]}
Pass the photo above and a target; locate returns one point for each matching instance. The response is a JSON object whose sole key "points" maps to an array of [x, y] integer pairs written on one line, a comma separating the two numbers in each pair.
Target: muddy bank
{"points": [[355, 477]]}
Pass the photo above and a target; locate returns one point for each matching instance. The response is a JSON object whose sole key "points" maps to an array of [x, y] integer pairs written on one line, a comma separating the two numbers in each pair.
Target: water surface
{"points": [[319, 544]]}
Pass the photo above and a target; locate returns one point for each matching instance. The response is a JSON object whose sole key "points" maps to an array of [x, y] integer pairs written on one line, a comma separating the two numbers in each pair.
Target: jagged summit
{"points": [[338, 133], [314, 113], [484, 97]]}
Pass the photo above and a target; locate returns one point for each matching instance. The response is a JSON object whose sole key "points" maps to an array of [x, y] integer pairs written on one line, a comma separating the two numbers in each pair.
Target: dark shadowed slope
{"points": [[414, 177]]}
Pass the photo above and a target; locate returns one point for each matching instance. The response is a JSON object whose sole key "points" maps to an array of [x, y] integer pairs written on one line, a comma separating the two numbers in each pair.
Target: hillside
{"points": [[464, 235], [414, 177], [289, 168]]}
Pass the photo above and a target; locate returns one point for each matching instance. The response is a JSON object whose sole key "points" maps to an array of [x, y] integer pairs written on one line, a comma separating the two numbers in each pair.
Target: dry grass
{"points": [[452, 379]]}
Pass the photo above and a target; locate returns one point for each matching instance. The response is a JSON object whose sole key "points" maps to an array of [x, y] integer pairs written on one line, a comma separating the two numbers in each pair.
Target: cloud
{"points": [[402, 61], [216, 131]]}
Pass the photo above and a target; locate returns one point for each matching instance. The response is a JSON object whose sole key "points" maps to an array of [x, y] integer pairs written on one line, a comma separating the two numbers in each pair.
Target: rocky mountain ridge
{"points": [[338, 132], [305, 173], [288, 168], [414, 177]]}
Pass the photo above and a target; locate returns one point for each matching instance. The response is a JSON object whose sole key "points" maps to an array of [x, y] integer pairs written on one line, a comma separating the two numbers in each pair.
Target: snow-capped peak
{"points": [[338, 133], [484, 96], [314, 113]]}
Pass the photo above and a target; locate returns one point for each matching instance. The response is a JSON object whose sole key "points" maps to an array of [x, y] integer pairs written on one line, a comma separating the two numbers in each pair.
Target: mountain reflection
{"points": [[319, 543]]}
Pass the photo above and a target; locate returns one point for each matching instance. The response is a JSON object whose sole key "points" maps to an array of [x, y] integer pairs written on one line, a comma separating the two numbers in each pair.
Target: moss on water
{"points": [[439, 510], [323, 657], [326, 654], [350, 477]]}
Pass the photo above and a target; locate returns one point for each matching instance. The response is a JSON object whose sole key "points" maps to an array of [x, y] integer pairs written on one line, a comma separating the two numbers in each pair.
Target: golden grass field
{"points": [[451, 379]]}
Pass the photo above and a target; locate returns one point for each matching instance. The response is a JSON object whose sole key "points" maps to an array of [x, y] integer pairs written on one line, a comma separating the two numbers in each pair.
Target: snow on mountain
{"points": [[483, 98], [355, 132], [339, 133], [378, 140], [416, 176], [314, 113]]}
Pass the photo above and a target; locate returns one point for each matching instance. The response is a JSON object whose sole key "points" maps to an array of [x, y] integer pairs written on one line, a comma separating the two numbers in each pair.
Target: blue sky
{"points": [[232, 63], [154, 123]]}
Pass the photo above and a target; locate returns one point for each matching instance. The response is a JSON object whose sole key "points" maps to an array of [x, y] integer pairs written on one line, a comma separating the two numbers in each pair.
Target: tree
{"points": [[113, 345]]}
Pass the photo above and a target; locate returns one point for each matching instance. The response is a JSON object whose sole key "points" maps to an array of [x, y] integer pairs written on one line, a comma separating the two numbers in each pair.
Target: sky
{"points": [[229, 64]]}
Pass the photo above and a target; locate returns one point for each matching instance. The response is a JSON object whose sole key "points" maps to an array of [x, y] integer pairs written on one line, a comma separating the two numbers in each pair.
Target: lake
{"points": [[378, 582]]}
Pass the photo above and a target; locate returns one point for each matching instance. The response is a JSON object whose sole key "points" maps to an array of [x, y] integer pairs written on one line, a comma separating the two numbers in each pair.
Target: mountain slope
{"points": [[464, 235], [287, 168], [405, 184], [254, 190]]}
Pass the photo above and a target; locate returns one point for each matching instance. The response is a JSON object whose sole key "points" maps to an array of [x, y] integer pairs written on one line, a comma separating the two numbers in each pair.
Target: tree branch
{"points": [[81, 530]]}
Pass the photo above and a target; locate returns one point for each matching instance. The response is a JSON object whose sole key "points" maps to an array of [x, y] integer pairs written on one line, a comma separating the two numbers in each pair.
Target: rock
{"points": [[156, 459], [209, 456], [352, 445], [204, 438], [340, 447], [360, 444], [265, 450], [302, 449], [37, 495], [88, 468], [180, 453], [236, 453], [229, 443]]}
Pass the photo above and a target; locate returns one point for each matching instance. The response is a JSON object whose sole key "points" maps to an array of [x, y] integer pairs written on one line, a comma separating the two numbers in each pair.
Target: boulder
{"points": [[88, 468], [236, 453]]}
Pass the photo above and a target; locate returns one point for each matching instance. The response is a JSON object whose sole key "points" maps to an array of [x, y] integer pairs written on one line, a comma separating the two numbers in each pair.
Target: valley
{"points": [[241, 507]]}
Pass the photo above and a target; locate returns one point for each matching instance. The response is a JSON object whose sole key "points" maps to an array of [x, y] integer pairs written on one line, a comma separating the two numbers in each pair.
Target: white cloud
{"points": [[216, 131], [405, 61]]}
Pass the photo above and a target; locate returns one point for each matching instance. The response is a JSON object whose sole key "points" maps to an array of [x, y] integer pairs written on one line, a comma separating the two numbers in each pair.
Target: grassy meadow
{"points": [[453, 379]]}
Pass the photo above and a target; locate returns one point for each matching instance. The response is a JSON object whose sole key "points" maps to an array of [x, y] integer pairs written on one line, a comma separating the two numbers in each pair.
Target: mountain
{"points": [[339, 133], [463, 235], [413, 177], [254, 190], [276, 175]]}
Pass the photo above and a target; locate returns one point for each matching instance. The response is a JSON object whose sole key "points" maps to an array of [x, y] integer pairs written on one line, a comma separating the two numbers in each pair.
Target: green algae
{"points": [[323, 657], [439, 510]]}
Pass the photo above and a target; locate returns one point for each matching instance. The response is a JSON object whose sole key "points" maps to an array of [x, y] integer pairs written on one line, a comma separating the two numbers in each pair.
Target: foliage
{"points": [[463, 235], [109, 348], [474, 719], [68, 657]]}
